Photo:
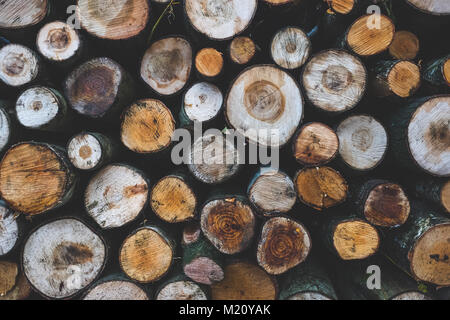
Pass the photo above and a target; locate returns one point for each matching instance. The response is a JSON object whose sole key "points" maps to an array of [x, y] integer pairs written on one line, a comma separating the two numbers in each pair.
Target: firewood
{"points": [[404, 46], [209, 63], [115, 287], [10, 229], [21, 289], [435, 191], [290, 48], [191, 233], [437, 72], [242, 50], [343, 7], [181, 288], [7, 125], [9, 272]]}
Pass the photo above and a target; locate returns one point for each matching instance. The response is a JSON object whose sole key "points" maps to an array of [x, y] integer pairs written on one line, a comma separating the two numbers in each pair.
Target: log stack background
{"points": [[92, 207]]}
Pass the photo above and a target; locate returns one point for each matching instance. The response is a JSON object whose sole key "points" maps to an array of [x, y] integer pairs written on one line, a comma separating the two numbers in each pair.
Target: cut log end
{"points": [[446, 71], [116, 196], [204, 270], [146, 255], [433, 7], [209, 62], [229, 224], [116, 290], [290, 48], [17, 14], [363, 142], [242, 50], [166, 65], [405, 46], [343, 6], [18, 65], [244, 281], [9, 230], [315, 144], [62, 257], [173, 200], [8, 276], [191, 233], [114, 20], [404, 79], [321, 187], [411, 296], [147, 126], [85, 151], [445, 196], [355, 239], [308, 296], [57, 41], [181, 290], [220, 19], [5, 128], [366, 39], [266, 98], [284, 244], [203, 102], [335, 80], [20, 291]]}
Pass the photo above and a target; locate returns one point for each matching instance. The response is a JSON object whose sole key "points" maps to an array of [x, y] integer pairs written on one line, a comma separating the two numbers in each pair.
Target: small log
{"points": [[404, 46], [229, 223], [203, 263], [36, 177], [420, 247], [173, 199], [191, 233], [315, 144], [267, 98], [435, 191], [21, 289], [43, 108], [334, 80], [91, 150], [146, 255], [181, 288], [344, 7], [10, 229], [166, 65], [245, 281], [209, 63], [395, 78], [220, 20], [284, 243], [271, 192], [420, 135], [290, 48], [321, 187], [242, 50], [62, 257], [366, 40], [116, 195], [115, 287], [382, 203], [437, 72], [9, 272], [100, 88], [7, 126], [363, 142], [147, 126]]}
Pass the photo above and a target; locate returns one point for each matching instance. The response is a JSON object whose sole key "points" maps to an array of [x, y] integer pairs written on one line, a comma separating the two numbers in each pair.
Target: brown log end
{"points": [[404, 79], [245, 281], [433, 7], [204, 270], [16, 14], [343, 6], [445, 196], [209, 62], [191, 233], [20, 291], [242, 50], [8, 276], [404, 46]]}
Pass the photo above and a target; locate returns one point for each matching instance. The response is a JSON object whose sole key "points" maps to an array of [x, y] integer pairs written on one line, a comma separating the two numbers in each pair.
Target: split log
{"points": [[363, 142], [381, 202], [437, 72], [395, 78], [245, 281], [218, 19], [21, 289], [284, 243], [434, 191], [116, 196], [334, 80], [100, 88], [267, 98], [43, 108], [181, 288], [404, 46], [321, 187], [420, 247], [146, 255], [213, 159], [173, 199], [290, 48], [36, 177], [209, 63], [115, 287], [10, 229], [166, 65], [7, 126], [315, 144], [271, 192], [147, 126], [229, 223], [420, 135], [202, 262], [91, 150], [242, 50], [62, 257], [308, 281]]}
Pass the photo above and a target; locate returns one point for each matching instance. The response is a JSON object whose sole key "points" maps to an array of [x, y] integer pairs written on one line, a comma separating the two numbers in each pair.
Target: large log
{"points": [[21, 288]]}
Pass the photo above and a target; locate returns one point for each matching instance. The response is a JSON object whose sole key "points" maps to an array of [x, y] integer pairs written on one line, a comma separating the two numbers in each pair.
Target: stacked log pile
{"points": [[352, 95]]}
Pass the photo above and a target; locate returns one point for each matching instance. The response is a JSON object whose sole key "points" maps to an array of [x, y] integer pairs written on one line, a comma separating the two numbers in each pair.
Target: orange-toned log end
{"points": [[355, 239], [387, 206], [173, 200], [242, 50], [315, 144], [229, 224], [321, 187], [147, 126], [343, 6], [430, 256], [404, 79], [284, 244], [146, 255], [245, 281], [446, 71], [445, 196], [404, 46], [365, 38], [33, 178], [209, 62], [8, 276]]}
